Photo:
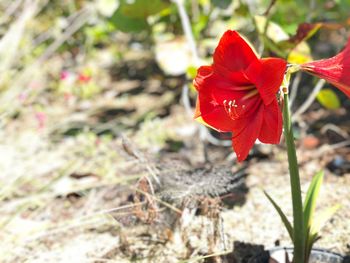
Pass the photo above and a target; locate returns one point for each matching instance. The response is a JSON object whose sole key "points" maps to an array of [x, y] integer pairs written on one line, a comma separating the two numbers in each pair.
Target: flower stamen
{"points": [[250, 94], [231, 109]]}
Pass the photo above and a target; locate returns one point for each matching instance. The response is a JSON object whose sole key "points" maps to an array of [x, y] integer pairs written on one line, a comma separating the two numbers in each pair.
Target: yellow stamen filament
{"points": [[244, 88], [250, 94], [231, 108]]}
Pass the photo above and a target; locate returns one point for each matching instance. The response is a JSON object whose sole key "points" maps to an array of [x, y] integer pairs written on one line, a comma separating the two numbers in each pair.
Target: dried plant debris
{"points": [[174, 182], [177, 185]]}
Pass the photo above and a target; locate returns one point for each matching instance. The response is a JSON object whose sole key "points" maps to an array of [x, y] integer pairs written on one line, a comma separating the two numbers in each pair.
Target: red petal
{"points": [[267, 74], [335, 70], [218, 87], [245, 133], [233, 53], [203, 73], [207, 80], [216, 91], [271, 128], [238, 78], [343, 87], [207, 108], [213, 115]]}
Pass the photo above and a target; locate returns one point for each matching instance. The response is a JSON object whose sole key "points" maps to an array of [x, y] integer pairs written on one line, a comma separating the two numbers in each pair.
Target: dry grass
{"points": [[66, 182]]}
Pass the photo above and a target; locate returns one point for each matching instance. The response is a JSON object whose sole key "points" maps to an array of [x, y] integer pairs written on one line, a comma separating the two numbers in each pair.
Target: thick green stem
{"points": [[298, 224]]}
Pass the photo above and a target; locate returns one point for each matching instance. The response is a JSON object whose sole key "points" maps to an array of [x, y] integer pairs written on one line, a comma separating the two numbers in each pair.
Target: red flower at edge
{"points": [[335, 70], [237, 94]]}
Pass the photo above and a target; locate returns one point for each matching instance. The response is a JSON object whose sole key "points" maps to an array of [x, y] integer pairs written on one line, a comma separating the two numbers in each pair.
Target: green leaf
{"points": [[127, 24], [273, 31], [309, 244], [328, 99], [313, 235], [142, 8], [200, 25], [310, 200], [191, 72], [309, 210], [322, 218], [282, 215], [223, 4], [300, 54]]}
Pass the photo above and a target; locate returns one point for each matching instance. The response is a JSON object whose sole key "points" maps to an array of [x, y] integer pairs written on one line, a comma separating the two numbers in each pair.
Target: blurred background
{"points": [[96, 95]]}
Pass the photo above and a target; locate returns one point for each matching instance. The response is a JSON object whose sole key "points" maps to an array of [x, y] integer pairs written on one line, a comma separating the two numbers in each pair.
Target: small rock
{"points": [[310, 142]]}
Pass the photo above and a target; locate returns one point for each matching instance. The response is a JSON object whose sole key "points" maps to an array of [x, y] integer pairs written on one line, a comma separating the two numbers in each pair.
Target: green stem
{"points": [[298, 235]]}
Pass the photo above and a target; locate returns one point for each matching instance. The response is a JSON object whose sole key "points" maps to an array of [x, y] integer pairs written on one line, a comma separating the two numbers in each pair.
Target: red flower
{"points": [[64, 75], [84, 78], [336, 70], [237, 94]]}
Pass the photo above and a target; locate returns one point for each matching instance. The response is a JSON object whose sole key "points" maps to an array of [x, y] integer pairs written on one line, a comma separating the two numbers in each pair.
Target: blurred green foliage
{"points": [[328, 99], [112, 28]]}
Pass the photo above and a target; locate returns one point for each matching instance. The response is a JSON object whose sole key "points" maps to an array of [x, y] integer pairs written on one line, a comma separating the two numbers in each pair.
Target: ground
{"points": [[101, 160], [72, 198]]}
